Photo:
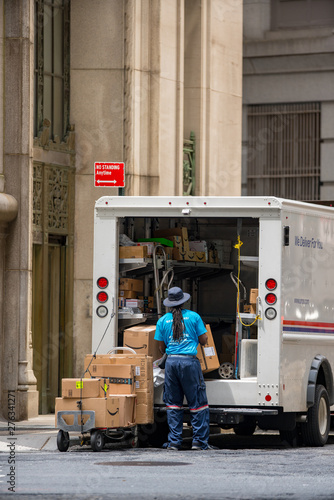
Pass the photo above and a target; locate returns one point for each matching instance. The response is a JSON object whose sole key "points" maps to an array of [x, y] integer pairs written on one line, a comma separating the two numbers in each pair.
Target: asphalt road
{"points": [[258, 467]]}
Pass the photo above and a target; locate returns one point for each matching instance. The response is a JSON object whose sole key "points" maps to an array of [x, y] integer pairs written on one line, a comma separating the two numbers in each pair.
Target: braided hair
{"points": [[178, 324]]}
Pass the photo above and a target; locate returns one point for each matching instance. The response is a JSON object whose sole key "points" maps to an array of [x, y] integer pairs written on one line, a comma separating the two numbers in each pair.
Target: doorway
{"points": [[52, 318]]}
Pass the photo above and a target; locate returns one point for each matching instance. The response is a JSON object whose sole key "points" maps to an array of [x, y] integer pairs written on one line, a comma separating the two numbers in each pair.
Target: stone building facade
{"points": [[288, 98], [98, 80]]}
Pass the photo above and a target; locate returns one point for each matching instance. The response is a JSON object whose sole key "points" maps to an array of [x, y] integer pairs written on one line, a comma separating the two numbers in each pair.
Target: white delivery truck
{"points": [[276, 373]]}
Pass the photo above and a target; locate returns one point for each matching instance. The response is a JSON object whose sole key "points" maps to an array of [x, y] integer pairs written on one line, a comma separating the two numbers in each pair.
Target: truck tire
{"points": [[96, 440], [63, 440], [245, 428], [315, 430]]}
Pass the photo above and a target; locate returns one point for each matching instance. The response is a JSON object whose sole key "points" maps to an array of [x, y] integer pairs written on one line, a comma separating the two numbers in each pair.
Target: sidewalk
{"points": [[35, 434]]}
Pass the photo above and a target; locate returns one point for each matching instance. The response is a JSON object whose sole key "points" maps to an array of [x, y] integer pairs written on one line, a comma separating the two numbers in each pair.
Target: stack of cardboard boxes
{"points": [[119, 387], [131, 295]]}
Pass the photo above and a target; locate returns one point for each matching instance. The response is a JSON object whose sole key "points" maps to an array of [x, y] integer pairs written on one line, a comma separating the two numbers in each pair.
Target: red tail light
{"points": [[102, 297], [102, 282], [271, 284], [271, 298]]}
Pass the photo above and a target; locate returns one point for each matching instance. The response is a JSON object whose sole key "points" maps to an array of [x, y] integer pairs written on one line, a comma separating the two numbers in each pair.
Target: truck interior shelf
{"points": [[182, 270], [250, 261]]}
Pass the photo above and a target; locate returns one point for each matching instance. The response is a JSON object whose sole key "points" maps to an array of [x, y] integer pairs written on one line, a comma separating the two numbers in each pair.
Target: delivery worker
{"points": [[179, 333]]}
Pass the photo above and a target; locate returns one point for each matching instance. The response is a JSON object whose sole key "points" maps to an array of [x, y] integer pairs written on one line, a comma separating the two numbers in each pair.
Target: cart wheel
{"points": [[96, 440], [63, 440], [226, 370]]}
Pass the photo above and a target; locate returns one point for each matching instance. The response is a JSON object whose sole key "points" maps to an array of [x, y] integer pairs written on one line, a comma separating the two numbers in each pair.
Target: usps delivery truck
{"points": [[276, 354]]}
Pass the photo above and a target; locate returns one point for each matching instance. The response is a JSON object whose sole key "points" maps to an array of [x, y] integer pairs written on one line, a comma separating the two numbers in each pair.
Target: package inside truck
{"points": [[198, 255]]}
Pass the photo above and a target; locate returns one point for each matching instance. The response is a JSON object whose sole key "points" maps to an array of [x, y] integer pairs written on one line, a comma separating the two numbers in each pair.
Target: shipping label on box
{"points": [[134, 303], [141, 340], [129, 284], [207, 354]]}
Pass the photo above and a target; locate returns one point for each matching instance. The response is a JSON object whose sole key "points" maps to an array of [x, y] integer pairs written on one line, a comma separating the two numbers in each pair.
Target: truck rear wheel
{"points": [[315, 430]]}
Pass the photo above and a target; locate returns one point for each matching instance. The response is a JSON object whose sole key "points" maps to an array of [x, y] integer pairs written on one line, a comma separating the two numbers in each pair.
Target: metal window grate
{"points": [[283, 157]]}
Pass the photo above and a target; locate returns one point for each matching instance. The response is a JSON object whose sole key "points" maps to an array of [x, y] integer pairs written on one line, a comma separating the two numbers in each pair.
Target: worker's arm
{"points": [[162, 346], [202, 339]]}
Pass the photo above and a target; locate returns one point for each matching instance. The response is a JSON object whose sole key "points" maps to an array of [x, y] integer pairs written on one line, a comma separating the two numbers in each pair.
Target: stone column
{"points": [[17, 374]]}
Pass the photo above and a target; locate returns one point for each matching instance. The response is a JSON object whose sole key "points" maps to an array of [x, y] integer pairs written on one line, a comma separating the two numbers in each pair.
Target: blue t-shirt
{"points": [[193, 328]]}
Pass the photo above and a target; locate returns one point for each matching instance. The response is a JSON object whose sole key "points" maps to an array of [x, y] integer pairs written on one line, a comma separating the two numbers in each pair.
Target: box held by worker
{"points": [[207, 354]]}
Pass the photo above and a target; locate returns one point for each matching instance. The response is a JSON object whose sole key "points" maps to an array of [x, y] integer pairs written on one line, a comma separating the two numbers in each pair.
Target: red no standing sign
{"points": [[109, 175]]}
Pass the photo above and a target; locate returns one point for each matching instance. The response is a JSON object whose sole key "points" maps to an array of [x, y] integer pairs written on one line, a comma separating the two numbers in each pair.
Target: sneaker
{"points": [[199, 447], [170, 447]]}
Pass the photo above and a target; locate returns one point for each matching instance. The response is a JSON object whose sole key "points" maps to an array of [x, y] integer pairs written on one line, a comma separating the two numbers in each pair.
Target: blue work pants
{"points": [[184, 377]]}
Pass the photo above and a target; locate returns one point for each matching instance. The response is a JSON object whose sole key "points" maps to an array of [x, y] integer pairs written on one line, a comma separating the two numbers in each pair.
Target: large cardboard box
{"points": [[141, 340], [82, 388], [207, 354], [113, 411], [132, 285], [120, 379]]}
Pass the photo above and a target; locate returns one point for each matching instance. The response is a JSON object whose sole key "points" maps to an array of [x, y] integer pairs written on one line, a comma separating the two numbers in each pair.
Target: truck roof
{"points": [[206, 205]]}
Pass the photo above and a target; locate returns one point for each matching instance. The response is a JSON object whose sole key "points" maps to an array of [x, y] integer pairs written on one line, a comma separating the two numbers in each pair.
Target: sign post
{"points": [[109, 174]]}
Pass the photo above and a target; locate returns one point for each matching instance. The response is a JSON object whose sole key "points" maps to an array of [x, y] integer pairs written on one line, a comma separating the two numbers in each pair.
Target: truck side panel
{"points": [[307, 306]]}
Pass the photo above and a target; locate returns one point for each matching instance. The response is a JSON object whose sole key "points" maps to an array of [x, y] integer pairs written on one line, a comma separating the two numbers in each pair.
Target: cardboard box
{"points": [[148, 301], [82, 388], [149, 245], [129, 284], [179, 254], [253, 294], [143, 368], [207, 354], [133, 252], [141, 339], [171, 232], [120, 379], [195, 256], [128, 294], [113, 411], [213, 257], [144, 407]]}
